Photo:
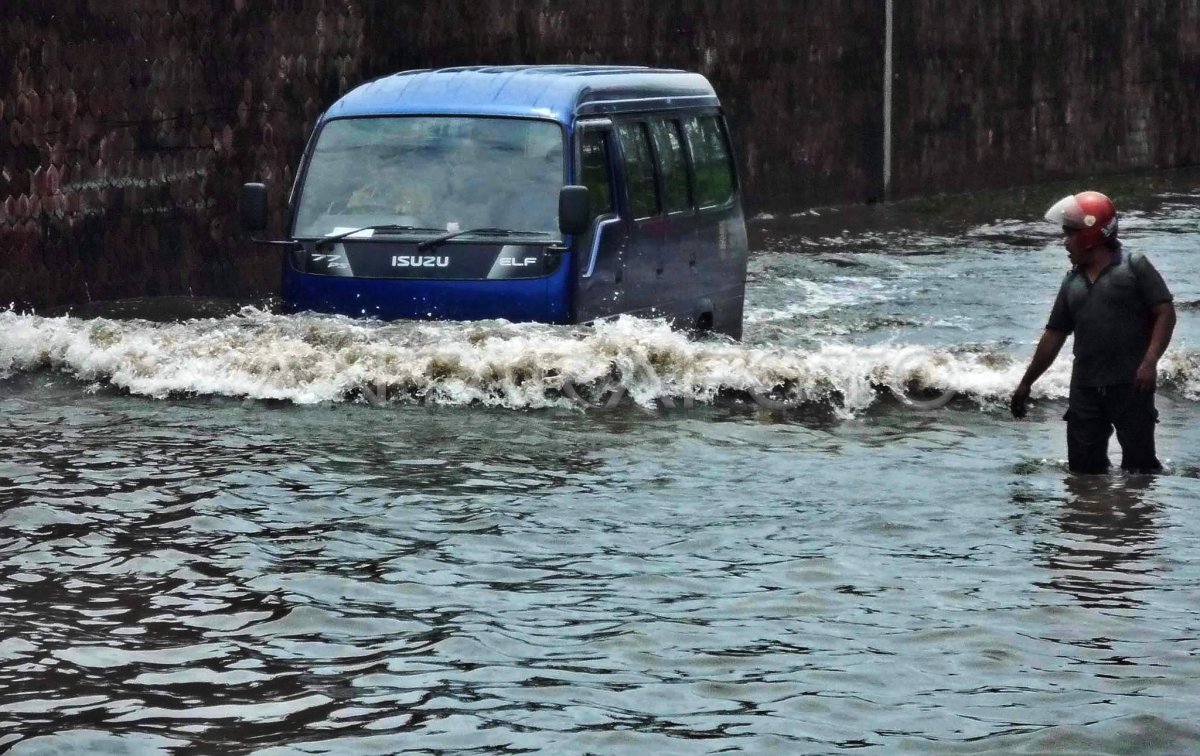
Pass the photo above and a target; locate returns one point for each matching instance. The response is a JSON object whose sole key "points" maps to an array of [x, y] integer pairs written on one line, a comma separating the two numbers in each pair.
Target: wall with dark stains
{"points": [[126, 126], [801, 80], [997, 94]]}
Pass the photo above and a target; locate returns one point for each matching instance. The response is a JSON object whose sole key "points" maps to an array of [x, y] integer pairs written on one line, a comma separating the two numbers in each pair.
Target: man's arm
{"points": [[1043, 357], [1160, 336]]}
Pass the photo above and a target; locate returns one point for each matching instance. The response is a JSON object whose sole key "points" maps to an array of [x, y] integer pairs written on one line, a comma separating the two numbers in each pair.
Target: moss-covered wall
{"points": [[126, 126]]}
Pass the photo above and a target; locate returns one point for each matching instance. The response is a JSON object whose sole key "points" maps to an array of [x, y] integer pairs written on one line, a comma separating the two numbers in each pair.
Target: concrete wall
{"points": [[126, 126]]}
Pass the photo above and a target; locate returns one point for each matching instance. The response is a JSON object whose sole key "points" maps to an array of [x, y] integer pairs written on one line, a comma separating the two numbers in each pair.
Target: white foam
{"points": [[306, 359], [818, 297]]}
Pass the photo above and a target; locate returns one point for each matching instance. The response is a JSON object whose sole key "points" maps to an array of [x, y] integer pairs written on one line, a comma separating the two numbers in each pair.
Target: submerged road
{"points": [[212, 540]]}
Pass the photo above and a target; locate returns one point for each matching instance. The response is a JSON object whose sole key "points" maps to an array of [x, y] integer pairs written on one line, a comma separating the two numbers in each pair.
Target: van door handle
{"points": [[596, 236]]}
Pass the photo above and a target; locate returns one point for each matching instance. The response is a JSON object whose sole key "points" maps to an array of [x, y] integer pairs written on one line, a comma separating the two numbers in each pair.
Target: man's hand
{"points": [[1020, 399], [1047, 349], [1146, 377]]}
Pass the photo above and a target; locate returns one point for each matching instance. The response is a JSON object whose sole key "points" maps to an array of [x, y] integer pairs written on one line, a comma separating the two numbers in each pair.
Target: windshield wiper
{"points": [[438, 241], [324, 242]]}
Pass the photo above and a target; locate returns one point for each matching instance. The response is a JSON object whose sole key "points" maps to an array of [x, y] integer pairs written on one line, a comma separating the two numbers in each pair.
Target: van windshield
{"points": [[433, 172]]}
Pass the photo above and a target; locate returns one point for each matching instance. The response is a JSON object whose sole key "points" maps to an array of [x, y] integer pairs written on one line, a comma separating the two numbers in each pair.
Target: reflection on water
{"points": [[1107, 529], [213, 577]]}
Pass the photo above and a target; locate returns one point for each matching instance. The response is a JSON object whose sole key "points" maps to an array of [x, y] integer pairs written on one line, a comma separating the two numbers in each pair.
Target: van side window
{"points": [[596, 171], [710, 160], [639, 170], [672, 164]]}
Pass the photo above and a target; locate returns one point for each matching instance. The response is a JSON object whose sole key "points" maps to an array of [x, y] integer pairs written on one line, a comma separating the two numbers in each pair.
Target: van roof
{"points": [[557, 92]]}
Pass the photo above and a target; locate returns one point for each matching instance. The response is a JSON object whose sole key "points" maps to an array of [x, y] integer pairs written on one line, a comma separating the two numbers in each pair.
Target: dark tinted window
{"points": [[672, 164], [596, 171], [639, 170], [710, 159]]}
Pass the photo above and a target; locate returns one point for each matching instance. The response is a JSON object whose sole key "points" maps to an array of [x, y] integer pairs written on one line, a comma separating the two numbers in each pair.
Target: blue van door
{"points": [[601, 253], [723, 249], [678, 275], [642, 215]]}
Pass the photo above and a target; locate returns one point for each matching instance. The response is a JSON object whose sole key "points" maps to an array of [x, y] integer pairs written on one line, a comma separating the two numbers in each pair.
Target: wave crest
{"points": [[311, 359]]}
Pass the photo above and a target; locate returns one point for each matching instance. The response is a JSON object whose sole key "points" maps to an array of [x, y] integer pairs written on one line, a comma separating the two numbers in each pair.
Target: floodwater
{"points": [[245, 532]]}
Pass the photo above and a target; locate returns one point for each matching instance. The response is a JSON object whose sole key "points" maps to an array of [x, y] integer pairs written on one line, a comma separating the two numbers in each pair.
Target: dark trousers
{"points": [[1092, 414]]}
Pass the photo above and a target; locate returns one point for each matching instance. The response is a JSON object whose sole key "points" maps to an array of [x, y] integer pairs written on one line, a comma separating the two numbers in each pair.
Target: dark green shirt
{"points": [[1111, 318]]}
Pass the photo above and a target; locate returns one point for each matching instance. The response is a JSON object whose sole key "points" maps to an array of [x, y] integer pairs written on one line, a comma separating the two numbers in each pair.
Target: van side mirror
{"points": [[252, 204], [574, 210]]}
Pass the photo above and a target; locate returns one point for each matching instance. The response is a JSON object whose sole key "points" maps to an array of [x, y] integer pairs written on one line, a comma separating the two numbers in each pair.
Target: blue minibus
{"points": [[557, 194]]}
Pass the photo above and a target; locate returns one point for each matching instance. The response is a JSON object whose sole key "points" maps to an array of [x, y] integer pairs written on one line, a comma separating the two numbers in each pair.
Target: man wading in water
{"points": [[1120, 311]]}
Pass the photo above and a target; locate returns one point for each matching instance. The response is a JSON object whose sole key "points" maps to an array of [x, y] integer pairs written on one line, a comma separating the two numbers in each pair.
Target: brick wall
{"points": [[126, 126]]}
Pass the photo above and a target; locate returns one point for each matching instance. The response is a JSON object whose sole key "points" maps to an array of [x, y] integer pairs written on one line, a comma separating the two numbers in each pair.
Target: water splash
{"points": [[312, 359]]}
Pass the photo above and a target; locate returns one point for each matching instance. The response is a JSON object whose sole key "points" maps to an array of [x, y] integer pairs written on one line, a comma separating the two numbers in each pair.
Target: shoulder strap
{"points": [[1131, 258]]}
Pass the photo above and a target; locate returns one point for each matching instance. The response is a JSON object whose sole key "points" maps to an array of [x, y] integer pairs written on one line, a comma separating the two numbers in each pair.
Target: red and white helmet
{"points": [[1092, 213]]}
